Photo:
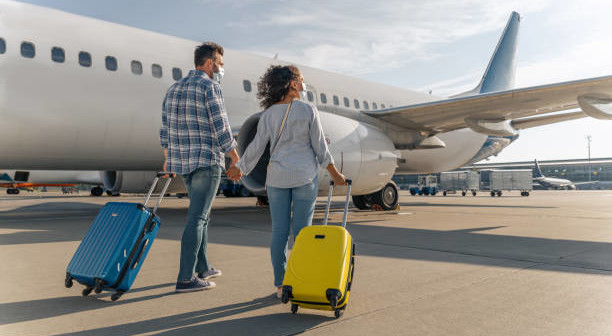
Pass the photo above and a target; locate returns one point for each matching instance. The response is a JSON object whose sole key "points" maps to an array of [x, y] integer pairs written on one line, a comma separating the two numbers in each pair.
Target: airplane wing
{"points": [[492, 113]]}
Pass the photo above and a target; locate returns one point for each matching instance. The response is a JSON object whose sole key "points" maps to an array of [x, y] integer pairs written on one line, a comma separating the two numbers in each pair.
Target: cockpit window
{"points": [[156, 69], [58, 55], [2, 46], [136, 68], [28, 50], [85, 59], [111, 63]]}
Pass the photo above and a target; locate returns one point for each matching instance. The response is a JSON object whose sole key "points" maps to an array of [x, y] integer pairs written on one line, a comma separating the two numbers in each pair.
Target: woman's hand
{"points": [[234, 173]]}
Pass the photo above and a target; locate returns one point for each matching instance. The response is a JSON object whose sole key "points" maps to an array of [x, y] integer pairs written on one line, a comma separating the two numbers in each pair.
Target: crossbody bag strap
{"points": [[282, 127]]}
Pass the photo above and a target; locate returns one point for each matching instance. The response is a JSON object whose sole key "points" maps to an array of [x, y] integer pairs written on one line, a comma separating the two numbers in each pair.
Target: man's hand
{"points": [[234, 173], [165, 169]]}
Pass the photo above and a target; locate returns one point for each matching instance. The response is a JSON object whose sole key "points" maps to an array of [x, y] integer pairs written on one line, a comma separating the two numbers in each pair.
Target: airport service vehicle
{"points": [[231, 188], [117, 243], [427, 185], [464, 181], [85, 94], [321, 265], [508, 180]]}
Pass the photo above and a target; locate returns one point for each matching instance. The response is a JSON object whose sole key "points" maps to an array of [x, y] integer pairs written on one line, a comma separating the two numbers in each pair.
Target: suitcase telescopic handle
{"points": [[346, 203], [161, 196]]}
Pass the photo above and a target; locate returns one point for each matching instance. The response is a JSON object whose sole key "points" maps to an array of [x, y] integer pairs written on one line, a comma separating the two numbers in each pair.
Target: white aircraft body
{"points": [[85, 94], [553, 182]]}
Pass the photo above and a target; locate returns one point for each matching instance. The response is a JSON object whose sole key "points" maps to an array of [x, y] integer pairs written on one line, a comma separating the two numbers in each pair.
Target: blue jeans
{"points": [[303, 199], [202, 185]]}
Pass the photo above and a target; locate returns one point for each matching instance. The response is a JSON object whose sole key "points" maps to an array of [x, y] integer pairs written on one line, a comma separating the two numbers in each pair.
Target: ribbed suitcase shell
{"points": [[322, 258], [107, 246]]}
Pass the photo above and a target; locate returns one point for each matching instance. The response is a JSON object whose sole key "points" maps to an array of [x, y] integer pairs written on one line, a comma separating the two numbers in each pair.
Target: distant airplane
{"points": [[89, 94], [27, 180], [553, 182]]}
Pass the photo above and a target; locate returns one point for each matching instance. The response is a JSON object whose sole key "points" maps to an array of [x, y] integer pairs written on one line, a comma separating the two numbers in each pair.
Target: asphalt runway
{"points": [[511, 265]]}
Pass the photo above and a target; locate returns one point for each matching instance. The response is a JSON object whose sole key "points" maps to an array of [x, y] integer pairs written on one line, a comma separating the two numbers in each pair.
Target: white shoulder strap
{"points": [[282, 127]]}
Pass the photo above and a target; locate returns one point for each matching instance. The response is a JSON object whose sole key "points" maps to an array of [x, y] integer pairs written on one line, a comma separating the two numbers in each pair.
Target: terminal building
{"points": [[598, 171]]}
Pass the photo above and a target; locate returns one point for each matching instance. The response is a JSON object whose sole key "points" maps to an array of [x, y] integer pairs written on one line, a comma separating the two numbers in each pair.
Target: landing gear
{"points": [[97, 191], [386, 199], [525, 193]]}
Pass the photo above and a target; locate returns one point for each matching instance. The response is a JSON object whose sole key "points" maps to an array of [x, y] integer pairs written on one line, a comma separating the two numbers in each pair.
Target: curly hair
{"points": [[273, 86]]}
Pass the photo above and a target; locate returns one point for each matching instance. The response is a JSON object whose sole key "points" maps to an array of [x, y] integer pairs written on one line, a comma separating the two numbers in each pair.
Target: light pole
{"points": [[588, 137]]}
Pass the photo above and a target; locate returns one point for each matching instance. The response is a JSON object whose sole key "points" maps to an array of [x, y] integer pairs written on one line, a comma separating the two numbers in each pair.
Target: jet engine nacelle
{"points": [[362, 152], [137, 182]]}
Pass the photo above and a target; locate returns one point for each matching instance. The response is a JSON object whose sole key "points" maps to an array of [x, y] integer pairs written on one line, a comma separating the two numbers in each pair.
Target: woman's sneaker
{"points": [[211, 273], [196, 284]]}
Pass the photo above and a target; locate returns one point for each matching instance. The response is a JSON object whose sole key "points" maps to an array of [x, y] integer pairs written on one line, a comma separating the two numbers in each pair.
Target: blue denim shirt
{"points": [[195, 129]]}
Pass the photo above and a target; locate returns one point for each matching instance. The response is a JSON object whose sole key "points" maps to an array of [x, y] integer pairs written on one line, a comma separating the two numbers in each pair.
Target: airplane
{"points": [[27, 180], [85, 94], [553, 182]]}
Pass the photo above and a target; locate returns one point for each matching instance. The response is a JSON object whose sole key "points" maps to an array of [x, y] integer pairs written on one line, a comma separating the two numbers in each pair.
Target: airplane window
{"points": [[136, 68], [111, 63], [156, 69], [28, 50], [347, 103], [310, 96], [365, 105], [382, 105], [85, 59], [336, 101], [374, 106], [177, 73], [246, 84], [323, 98], [58, 55], [356, 103], [2, 46]]}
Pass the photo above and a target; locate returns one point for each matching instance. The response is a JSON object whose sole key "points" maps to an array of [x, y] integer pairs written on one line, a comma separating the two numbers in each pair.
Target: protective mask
{"points": [[304, 92], [218, 75]]}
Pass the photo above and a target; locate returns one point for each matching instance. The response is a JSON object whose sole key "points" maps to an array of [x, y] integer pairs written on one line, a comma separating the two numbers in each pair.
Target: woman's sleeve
{"points": [[253, 152], [317, 141]]}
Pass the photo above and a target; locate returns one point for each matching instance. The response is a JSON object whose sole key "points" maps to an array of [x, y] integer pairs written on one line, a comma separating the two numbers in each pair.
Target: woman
{"points": [[295, 156]]}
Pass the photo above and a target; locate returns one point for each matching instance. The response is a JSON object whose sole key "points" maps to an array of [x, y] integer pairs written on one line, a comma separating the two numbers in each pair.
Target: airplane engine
{"points": [[360, 151], [136, 182]]}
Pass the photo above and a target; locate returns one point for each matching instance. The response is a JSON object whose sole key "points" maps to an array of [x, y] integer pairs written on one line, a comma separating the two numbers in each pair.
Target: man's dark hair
{"points": [[206, 51]]}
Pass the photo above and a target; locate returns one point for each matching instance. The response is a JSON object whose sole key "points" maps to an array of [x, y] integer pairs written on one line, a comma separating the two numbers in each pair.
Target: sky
{"points": [[438, 45]]}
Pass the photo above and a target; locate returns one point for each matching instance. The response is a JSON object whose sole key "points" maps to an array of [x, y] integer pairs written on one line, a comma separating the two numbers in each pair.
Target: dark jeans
{"points": [[202, 185]]}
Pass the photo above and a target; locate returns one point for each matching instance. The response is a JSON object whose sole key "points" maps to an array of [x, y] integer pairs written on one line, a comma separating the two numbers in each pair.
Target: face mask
{"points": [[218, 75], [304, 92]]}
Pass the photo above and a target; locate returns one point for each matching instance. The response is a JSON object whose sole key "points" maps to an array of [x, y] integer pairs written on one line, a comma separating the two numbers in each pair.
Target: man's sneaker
{"points": [[195, 284], [211, 273]]}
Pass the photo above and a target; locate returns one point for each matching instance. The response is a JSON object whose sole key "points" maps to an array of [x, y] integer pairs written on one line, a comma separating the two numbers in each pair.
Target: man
{"points": [[195, 134]]}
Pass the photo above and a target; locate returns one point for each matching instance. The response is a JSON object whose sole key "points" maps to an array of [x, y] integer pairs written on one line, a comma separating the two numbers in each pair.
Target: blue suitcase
{"points": [[113, 250]]}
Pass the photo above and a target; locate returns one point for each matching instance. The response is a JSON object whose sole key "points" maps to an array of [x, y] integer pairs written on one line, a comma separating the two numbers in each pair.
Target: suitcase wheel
{"points": [[338, 312], [116, 296], [68, 282], [294, 308], [286, 294], [87, 290], [99, 286]]}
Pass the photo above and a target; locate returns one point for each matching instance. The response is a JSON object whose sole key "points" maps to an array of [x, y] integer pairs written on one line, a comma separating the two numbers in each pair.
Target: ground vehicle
{"points": [[231, 188], [464, 181], [497, 181], [428, 185]]}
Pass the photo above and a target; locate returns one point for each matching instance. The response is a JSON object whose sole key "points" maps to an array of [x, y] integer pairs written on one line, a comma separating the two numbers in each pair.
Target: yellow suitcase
{"points": [[320, 268]]}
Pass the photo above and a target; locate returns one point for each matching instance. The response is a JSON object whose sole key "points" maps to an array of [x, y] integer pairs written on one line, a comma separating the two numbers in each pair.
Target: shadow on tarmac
{"points": [[194, 323]]}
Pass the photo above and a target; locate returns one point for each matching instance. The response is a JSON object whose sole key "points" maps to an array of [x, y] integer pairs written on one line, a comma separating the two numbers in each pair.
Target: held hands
{"points": [[233, 173]]}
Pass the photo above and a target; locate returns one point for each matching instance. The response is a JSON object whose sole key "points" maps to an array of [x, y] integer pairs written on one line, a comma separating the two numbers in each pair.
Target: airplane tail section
{"points": [[538, 171], [501, 70]]}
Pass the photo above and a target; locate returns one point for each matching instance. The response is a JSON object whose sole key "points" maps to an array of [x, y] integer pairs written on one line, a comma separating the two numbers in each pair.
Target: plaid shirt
{"points": [[195, 129]]}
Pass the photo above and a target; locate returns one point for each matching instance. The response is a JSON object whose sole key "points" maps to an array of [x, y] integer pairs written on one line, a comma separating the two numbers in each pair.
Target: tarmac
{"points": [[510, 265]]}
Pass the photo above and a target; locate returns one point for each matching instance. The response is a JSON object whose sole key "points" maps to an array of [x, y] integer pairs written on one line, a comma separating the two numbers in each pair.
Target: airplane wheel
{"points": [[97, 191], [499, 193], [463, 193], [387, 197], [444, 193], [473, 193], [363, 202]]}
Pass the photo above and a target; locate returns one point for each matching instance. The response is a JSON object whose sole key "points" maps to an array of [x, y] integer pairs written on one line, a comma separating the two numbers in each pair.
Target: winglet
{"points": [[501, 70], [538, 171]]}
